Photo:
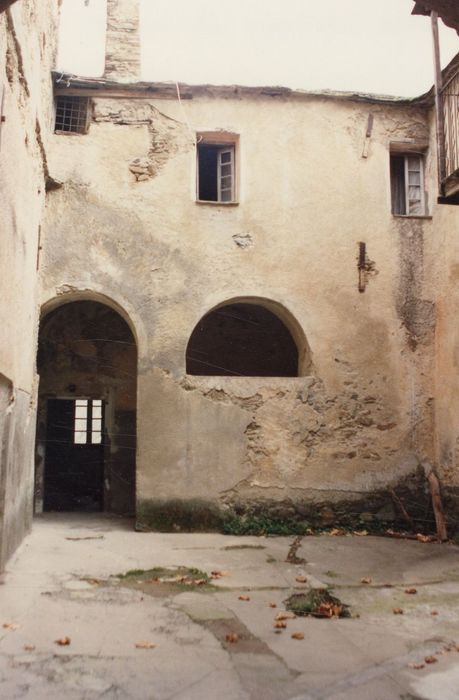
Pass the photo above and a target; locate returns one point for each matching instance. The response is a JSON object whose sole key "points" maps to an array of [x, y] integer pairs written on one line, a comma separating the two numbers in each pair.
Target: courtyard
{"points": [[90, 609]]}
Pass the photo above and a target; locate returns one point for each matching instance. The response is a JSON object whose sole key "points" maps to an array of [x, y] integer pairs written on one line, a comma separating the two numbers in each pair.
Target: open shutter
{"points": [[414, 185], [225, 174]]}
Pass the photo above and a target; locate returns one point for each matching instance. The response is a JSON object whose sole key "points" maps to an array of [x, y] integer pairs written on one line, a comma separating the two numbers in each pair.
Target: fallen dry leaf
{"points": [[417, 666], [397, 611], [365, 579], [298, 635], [280, 625], [360, 533], [337, 532], [325, 610], [63, 642], [410, 591], [422, 538], [301, 579], [29, 647], [232, 638], [434, 612], [285, 616], [431, 660], [244, 597], [11, 626], [144, 644], [218, 574], [273, 605]]}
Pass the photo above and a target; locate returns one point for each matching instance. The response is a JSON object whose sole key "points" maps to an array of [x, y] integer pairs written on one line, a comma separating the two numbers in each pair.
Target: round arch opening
{"points": [[86, 429], [247, 337]]}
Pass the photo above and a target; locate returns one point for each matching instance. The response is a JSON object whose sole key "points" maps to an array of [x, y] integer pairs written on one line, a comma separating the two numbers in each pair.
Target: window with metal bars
{"points": [[72, 114]]}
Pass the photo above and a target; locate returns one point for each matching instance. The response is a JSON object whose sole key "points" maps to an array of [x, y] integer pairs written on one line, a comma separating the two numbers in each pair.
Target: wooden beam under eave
{"points": [[447, 10], [5, 4]]}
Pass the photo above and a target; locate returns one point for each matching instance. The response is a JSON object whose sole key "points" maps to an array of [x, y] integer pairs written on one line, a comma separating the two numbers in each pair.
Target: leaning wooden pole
{"points": [[437, 505], [440, 118]]}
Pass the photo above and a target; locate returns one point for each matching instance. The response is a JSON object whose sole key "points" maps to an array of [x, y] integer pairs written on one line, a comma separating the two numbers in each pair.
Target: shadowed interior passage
{"points": [[86, 433]]}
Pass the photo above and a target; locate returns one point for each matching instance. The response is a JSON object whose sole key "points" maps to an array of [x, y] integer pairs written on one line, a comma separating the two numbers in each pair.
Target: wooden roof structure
{"points": [[447, 10]]}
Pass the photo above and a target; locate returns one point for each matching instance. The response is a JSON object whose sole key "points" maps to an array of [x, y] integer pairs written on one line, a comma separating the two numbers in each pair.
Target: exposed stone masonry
{"points": [[122, 54]]}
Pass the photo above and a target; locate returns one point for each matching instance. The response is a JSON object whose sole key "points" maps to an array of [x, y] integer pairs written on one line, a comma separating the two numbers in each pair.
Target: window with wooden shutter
{"points": [[216, 169], [407, 184], [225, 174]]}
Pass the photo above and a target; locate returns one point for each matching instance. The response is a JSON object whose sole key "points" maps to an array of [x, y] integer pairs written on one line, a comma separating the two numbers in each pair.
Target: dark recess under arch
{"points": [[242, 340], [86, 429]]}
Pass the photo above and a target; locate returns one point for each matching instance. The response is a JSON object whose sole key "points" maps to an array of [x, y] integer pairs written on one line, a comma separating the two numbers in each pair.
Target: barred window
{"points": [[72, 114]]}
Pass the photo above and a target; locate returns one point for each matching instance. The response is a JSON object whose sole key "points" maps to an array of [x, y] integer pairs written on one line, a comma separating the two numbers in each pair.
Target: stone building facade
{"points": [[247, 305], [312, 232]]}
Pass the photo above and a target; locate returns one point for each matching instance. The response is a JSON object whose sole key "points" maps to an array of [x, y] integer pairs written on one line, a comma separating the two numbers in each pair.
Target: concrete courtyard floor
{"points": [[62, 583]]}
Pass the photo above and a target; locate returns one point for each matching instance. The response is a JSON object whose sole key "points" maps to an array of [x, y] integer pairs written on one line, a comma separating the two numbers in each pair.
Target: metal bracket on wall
{"points": [[366, 143], [365, 266], [2, 116]]}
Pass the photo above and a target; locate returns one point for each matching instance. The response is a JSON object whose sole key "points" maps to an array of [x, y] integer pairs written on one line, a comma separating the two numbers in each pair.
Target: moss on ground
{"points": [[317, 602], [162, 581]]}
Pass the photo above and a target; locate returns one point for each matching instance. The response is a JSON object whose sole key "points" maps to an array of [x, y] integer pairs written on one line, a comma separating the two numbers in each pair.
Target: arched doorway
{"points": [[86, 431], [242, 339]]}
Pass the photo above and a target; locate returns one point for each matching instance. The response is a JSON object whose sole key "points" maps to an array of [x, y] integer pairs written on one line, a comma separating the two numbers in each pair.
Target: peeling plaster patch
{"points": [[141, 168], [292, 428], [243, 240], [416, 314], [66, 289], [167, 136]]}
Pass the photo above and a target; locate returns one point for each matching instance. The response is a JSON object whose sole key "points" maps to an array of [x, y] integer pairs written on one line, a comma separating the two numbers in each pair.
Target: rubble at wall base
{"points": [[405, 506]]}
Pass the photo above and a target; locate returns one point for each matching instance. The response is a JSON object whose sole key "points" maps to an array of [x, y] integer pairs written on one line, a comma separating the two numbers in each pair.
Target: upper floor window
{"points": [[216, 168], [407, 184], [72, 114]]}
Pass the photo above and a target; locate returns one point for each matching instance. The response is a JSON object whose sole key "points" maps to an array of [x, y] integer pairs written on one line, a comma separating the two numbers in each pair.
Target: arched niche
{"points": [[248, 337]]}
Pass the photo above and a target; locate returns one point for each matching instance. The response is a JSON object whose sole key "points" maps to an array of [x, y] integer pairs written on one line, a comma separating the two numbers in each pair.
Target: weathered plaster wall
{"points": [[444, 255], [362, 418], [27, 40]]}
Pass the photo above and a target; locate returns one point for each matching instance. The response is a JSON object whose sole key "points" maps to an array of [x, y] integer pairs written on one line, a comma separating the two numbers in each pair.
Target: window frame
{"points": [[407, 152], [224, 142], [85, 430], [87, 113]]}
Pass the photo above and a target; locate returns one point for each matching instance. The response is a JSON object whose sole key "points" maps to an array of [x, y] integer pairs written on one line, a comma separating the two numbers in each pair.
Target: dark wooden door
{"points": [[74, 459]]}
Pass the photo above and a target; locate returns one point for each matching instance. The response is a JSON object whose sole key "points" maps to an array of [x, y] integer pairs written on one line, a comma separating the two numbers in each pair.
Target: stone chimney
{"points": [[122, 51]]}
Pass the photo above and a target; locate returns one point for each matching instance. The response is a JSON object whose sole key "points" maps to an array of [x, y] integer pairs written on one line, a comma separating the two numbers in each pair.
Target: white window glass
{"points": [[79, 438], [80, 424], [81, 411]]}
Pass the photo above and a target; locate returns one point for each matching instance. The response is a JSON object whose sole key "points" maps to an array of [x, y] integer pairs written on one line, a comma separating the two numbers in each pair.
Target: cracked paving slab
{"points": [[63, 582]]}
